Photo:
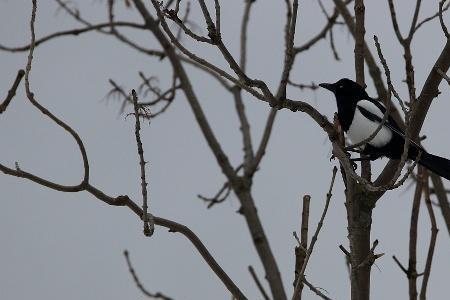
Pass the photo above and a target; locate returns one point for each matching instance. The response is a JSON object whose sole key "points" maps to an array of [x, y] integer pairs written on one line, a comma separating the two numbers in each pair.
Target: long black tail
{"points": [[436, 164]]}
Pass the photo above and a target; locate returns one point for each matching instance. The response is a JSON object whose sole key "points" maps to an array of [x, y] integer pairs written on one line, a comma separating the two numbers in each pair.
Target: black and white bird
{"points": [[361, 115]]}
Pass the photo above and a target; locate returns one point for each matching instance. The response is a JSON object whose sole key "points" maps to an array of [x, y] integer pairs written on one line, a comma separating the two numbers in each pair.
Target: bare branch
{"points": [[345, 251], [371, 257], [434, 232], [315, 290], [301, 275], [400, 265], [264, 140], [300, 251], [124, 39], [138, 283], [445, 76], [441, 20], [441, 195], [244, 31], [313, 86], [258, 283], [320, 35], [428, 19], [46, 112], [412, 269], [222, 194], [388, 76], [236, 91], [217, 8], [394, 22], [333, 46], [359, 41], [289, 55], [12, 91], [172, 14], [413, 26], [149, 226], [78, 31]]}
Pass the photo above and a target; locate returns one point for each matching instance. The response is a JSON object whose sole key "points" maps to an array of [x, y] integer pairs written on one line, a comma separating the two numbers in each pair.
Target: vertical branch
{"points": [[359, 64], [149, 225], [217, 9], [301, 275], [359, 210], [300, 250], [434, 232], [289, 55], [441, 195], [359, 41], [441, 20], [412, 269], [237, 93]]}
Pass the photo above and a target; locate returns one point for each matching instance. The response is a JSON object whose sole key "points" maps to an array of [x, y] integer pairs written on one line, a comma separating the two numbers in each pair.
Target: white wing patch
{"points": [[362, 128]]}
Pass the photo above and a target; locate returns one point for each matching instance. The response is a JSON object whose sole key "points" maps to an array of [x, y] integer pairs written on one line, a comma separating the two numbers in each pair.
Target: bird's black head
{"points": [[346, 90]]}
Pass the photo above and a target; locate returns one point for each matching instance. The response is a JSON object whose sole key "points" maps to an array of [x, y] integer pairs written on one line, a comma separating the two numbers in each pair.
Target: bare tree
{"points": [[169, 24]]}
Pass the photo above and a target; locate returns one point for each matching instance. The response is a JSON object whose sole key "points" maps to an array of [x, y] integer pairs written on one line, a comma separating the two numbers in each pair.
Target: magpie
{"points": [[361, 115]]}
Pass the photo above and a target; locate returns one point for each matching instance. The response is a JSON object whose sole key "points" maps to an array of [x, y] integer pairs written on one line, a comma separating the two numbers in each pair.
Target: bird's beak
{"points": [[328, 86]]}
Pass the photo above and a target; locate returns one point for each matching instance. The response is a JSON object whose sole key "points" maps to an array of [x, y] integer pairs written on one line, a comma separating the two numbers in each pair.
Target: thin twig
{"points": [[264, 140], [388, 75], [315, 290], [138, 283], [445, 76], [441, 20], [399, 264], [332, 20], [149, 225], [300, 250], [126, 40], [313, 86], [12, 91], [430, 18], [258, 283], [431, 247], [289, 55], [219, 197], [237, 91], [222, 194], [412, 269], [371, 257]]}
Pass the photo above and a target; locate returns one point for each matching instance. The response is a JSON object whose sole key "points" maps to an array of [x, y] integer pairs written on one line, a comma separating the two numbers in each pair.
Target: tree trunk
{"points": [[359, 214]]}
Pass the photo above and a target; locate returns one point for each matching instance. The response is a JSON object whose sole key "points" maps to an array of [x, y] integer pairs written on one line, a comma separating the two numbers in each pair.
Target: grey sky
{"points": [[58, 245]]}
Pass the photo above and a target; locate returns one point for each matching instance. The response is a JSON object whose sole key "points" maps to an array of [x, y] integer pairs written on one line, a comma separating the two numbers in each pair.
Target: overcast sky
{"points": [[56, 245]]}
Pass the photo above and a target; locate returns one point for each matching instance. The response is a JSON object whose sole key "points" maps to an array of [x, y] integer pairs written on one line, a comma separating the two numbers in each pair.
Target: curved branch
{"points": [[78, 31], [441, 20], [321, 35]]}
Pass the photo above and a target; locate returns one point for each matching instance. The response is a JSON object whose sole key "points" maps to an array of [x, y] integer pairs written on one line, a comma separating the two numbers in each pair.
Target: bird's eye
{"points": [[341, 86]]}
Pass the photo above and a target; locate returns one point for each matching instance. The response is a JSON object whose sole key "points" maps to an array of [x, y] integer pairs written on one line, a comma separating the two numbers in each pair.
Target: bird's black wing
{"points": [[389, 123]]}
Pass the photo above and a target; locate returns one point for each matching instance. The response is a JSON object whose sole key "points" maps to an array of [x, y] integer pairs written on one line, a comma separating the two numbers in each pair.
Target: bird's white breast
{"points": [[362, 128]]}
